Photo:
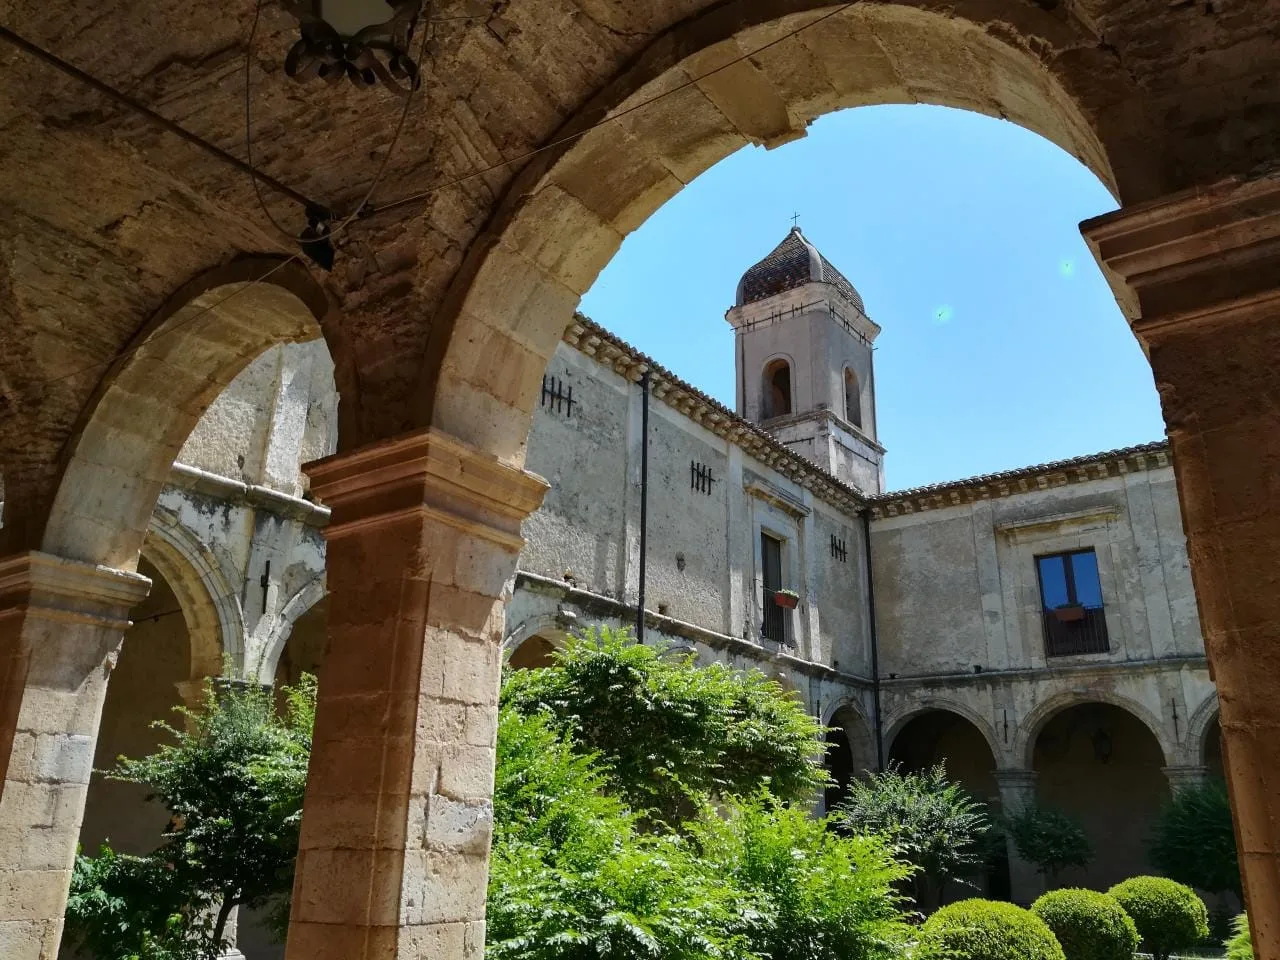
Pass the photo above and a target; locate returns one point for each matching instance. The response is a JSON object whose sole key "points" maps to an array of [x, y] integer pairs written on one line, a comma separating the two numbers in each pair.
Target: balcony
{"points": [[1071, 630]]}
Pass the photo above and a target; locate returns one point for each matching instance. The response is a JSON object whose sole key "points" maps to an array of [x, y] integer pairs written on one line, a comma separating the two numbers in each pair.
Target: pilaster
{"points": [[1018, 792], [61, 624], [1182, 777], [1199, 275], [392, 861]]}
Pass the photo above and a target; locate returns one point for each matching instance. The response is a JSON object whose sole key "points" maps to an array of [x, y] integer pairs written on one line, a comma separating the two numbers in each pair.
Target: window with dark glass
{"points": [[1071, 603], [775, 623]]}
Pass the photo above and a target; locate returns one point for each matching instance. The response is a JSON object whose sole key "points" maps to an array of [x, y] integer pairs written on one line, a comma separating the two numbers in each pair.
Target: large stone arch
{"points": [[566, 213], [893, 725], [205, 591], [1029, 727], [147, 404]]}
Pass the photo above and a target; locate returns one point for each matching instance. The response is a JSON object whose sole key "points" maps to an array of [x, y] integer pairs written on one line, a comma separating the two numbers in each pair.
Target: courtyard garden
{"points": [[647, 807]]}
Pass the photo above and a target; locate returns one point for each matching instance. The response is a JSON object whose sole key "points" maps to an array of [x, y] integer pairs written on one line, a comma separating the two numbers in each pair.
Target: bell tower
{"points": [[805, 361]]}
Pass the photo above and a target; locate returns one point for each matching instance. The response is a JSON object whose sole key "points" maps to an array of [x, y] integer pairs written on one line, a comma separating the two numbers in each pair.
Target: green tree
{"points": [[232, 779], [931, 823], [1194, 840], [815, 894], [1050, 839], [674, 733], [578, 872]]}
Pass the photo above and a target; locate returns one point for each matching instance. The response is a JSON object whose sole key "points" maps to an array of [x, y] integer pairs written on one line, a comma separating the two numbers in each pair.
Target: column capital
{"points": [[427, 472], [1182, 776], [1206, 255], [68, 590], [1015, 779]]}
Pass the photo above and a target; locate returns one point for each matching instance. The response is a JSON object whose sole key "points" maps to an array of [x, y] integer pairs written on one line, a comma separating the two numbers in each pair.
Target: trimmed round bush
{"points": [[987, 930], [1089, 925], [1169, 915]]}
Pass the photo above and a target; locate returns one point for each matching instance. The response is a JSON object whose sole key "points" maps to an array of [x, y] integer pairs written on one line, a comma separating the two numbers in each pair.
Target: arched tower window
{"points": [[777, 389], [852, 398]]}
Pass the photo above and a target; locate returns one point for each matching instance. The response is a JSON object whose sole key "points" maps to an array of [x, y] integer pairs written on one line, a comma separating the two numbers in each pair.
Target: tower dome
{"points": [[793, 263]]}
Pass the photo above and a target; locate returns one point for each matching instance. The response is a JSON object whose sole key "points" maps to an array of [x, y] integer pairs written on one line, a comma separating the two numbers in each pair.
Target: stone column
{"points": [[61, 624], [1182, 777], [1199, 275], [1017, 792], [392, 863]]}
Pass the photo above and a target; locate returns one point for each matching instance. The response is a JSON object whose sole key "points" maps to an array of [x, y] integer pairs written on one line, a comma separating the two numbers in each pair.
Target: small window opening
{"points": [[775, 622], [1071, 604], [852, 399], [777, 389]]}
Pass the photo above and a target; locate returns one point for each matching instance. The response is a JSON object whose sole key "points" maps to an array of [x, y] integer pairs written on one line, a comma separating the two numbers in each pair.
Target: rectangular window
{"points": [[775, 622], [1071, 604]]}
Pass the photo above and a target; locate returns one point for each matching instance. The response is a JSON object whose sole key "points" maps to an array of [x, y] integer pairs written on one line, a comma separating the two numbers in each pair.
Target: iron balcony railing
{"points": [[775, 618], [1074, 630]]}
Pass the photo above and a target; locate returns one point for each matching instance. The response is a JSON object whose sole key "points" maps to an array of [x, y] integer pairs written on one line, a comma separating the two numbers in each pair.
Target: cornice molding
{"points": [[67, 590], [1209, 254], [426, 473]]}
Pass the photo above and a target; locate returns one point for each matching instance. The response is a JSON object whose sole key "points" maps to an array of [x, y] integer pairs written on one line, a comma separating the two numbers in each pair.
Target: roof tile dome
{"points": [[793, 263]]}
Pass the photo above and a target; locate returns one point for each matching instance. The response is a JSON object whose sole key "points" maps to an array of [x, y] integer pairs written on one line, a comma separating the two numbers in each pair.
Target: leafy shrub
{"points": [[574, 875], [673, 733], [1194, 840], [131, 908], [1050, 839], [1089, 925], [1240, 945], [932, 823], [987, 930], [814, 894], [232, 779], [1169, 916]]}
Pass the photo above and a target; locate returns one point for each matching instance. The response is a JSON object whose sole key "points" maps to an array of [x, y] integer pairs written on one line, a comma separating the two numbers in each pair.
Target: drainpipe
{"points": [[875, 644], [644, 498]]}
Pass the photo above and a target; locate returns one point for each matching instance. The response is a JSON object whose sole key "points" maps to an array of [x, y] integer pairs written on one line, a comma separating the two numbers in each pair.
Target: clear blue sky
{"points": [[1002, 344]]}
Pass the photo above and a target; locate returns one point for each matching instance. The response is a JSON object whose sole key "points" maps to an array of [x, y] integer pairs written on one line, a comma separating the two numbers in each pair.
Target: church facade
{"points": [[1036, 629]]}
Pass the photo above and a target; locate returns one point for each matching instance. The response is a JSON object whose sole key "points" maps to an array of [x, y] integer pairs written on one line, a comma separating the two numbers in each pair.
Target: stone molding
{"points": [[426, 473], [1016, 530], [602, 605], [1182, 776], [1100, 667], [194, 479], [762, 489], [55, 588], [1210, 253]]}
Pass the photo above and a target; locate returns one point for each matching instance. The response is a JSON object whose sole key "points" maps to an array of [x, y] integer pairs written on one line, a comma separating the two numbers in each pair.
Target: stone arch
{"points": [[145, 407], [851, 749], [302, 601], [942, 731], [1204, 743], [1105, 767], [1028, 729], [777, 388], [209, 601], [894, 725], [565, 214]]}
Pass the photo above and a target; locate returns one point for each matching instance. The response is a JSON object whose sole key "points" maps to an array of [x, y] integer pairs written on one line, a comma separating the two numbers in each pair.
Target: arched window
{"points": [[777, 389], [852, 398]]}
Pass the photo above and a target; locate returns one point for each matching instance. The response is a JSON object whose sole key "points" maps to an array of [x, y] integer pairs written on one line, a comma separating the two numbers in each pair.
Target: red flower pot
{"points": [[786, 601]]}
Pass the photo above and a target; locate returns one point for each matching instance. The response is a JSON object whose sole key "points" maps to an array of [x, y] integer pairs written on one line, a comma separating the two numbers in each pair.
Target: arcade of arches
{"points": [[138, 277]]}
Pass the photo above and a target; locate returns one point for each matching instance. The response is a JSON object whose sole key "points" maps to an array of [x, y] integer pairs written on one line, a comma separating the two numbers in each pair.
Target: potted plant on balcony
{"points": [[1069, 613], [787, 599]]}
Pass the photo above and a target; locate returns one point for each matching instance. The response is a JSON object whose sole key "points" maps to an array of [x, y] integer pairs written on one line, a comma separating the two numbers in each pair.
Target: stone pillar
{"points": [[392, 863], [1199, 276], [1182, 777], [1017, 792], [61, 624]]}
